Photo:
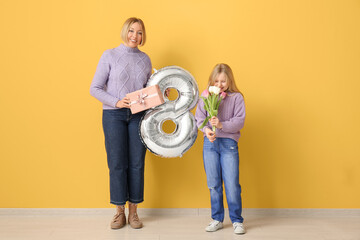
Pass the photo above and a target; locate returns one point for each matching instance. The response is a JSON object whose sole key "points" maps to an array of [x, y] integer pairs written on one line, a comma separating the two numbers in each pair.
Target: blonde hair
{"points": [[127, 25], [224, 68]]}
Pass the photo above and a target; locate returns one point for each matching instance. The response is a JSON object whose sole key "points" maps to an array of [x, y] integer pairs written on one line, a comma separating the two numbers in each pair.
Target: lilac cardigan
{"points": [[231, 114], [120, 71]]}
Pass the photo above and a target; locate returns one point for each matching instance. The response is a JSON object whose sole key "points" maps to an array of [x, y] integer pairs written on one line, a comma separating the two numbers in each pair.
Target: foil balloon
{"points": [[173, 144]]}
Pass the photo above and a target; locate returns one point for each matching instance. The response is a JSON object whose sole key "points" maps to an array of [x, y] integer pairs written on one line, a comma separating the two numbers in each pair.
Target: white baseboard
{"points": [[305, 212], [261, 212]]}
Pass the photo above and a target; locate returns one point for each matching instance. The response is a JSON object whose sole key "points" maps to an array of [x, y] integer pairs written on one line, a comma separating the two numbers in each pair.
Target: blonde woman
{"points": [[122, 70], [220, 152]]}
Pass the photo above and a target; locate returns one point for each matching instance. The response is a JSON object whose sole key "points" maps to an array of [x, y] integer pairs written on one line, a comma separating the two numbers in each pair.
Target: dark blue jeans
{"points": [[125, 155], [221, 161]]}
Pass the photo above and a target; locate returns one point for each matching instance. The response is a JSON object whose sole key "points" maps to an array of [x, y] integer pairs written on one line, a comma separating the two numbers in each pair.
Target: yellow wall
{"points": [[297, 62]]}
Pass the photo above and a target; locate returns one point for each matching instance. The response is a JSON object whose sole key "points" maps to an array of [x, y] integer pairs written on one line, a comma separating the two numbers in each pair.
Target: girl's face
{"points": [[221, 82], [134, 36]]}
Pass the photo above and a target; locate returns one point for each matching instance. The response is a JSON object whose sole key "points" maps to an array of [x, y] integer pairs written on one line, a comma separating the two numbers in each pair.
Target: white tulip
{"points": [[215, 90]]}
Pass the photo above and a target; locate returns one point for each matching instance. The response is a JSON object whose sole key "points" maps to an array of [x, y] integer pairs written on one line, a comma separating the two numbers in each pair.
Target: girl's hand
{"points": [[214, 121], [123, 103], [210, 134]]}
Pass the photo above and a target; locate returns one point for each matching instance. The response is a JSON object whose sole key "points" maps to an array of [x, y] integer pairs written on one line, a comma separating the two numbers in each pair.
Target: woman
{"points": [[120, 71], [220, 152]]}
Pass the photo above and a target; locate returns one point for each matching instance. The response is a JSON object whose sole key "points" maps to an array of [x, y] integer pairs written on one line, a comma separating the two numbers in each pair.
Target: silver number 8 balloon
{"points": [[173, 144]]}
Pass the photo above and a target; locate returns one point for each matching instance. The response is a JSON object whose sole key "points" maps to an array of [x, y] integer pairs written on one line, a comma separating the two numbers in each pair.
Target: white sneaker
{"points": [[214, 226], [238, 228]]}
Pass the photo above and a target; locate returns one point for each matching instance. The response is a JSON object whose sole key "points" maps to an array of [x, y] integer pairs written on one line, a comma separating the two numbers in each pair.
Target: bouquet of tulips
{"points": [[212, 99]]}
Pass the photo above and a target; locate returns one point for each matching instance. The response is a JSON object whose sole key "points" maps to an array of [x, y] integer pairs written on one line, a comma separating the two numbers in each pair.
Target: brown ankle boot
{"points": [[133, 217], [119, 219]]}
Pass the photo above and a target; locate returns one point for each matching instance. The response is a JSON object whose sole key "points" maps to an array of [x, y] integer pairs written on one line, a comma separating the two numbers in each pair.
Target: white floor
{"points": [[184, 224]]}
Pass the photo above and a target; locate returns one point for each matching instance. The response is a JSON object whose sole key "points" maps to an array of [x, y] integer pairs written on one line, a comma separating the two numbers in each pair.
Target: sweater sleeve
{"points": [[99, 83], [200, 115], [237, 121]]}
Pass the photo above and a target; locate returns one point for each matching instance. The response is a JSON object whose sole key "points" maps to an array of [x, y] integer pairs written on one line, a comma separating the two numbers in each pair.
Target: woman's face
{"points": [[134, 36], [221, 82]]}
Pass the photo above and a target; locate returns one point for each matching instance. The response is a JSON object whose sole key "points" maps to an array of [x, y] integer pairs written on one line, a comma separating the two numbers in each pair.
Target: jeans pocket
{"points": [[208, 144]]}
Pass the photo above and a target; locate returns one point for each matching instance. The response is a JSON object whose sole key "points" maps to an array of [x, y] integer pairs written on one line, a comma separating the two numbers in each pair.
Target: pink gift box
{"points": [[145, 98]]}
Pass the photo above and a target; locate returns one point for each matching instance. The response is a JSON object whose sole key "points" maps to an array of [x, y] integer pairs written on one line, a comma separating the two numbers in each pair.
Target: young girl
{"points": [[220, 153]]}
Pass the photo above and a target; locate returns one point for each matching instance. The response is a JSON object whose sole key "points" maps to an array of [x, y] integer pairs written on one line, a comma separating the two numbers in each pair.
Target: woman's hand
{"points": [[123, 103], [214, 121], [210, 134]]}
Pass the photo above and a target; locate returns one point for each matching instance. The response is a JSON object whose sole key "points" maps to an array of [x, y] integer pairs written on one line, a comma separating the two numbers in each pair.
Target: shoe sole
{"points": [[136, 227], [115, 228], [213, 230]]}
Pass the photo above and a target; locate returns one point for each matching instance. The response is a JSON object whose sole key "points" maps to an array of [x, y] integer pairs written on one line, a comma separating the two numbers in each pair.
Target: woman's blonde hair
{"points": [[224, 68], [127, 25]]}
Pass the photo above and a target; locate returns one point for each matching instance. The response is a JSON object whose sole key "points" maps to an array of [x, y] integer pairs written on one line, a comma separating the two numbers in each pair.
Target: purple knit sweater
{"points": [[120, 71], [231, 114]]}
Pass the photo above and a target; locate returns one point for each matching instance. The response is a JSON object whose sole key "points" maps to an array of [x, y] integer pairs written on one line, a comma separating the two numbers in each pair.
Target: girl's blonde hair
{"points": [[127, 25], [224, 68]]}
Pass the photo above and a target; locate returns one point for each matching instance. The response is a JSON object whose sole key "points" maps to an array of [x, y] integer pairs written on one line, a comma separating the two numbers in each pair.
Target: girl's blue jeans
{"points": [[125, 155], [221, 161]]}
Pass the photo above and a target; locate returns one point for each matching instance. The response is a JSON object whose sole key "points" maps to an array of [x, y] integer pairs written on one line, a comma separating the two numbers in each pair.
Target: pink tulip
{"points": [[223, 95], [205, 93]]}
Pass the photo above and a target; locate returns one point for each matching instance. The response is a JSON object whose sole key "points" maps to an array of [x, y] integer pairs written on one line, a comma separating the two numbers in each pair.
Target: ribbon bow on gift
{"points": [[141, 98]]}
